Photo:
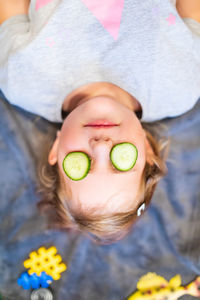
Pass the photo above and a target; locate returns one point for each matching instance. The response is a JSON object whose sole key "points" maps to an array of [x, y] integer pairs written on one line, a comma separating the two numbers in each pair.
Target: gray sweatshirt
{"points": [[144, 47]]}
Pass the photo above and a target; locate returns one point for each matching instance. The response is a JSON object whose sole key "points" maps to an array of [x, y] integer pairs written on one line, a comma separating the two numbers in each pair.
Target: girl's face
{"points": [[102, 189]]}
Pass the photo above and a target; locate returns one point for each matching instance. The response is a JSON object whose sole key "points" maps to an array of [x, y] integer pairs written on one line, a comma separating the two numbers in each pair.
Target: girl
{"points": [[101, 68]]}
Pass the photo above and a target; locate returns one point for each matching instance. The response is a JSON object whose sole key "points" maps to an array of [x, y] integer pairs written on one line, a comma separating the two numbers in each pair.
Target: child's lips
{"points": [[100, 126], [101, 123]]}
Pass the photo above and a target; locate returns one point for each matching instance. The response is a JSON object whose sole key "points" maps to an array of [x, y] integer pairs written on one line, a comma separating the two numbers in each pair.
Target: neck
{"points": [[92, 90]]}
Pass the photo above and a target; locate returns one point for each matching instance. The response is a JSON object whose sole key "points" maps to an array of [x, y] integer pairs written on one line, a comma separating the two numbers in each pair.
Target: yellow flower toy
{"points": [[45, 260], [154, 287]]}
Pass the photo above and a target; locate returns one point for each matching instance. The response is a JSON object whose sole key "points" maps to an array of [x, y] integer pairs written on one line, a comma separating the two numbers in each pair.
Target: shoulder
{"points": [[10, 8], [189, 9]]}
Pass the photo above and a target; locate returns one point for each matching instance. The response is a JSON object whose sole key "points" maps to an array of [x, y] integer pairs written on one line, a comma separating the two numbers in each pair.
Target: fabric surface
{"points": [[166, 240], [142, 46]]}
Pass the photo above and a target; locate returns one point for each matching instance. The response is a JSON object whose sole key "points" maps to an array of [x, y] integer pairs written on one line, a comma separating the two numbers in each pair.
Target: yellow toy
{"points": [[45, 260], [154, 287]]}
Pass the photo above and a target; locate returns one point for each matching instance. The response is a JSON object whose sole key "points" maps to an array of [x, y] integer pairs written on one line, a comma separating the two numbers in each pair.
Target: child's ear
{"points": [[52, 158], [150, 152]]}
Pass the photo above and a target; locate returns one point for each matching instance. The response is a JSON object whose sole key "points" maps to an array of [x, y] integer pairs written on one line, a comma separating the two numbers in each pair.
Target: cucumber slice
{"points": [[76, 165], [124, 156]]}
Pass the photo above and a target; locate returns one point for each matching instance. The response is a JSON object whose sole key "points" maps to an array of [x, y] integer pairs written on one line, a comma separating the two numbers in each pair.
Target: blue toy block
{"points": [[34, 281], [45, 280], [27, 281], [24, 281]]}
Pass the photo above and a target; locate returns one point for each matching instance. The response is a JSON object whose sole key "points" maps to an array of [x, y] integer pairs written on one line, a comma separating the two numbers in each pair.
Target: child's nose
{"points": [[95, 141], [101, 146]]}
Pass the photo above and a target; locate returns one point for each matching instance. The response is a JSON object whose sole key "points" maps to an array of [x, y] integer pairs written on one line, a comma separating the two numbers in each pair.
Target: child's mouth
{"points": [[102, 123], [100, 126]]}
